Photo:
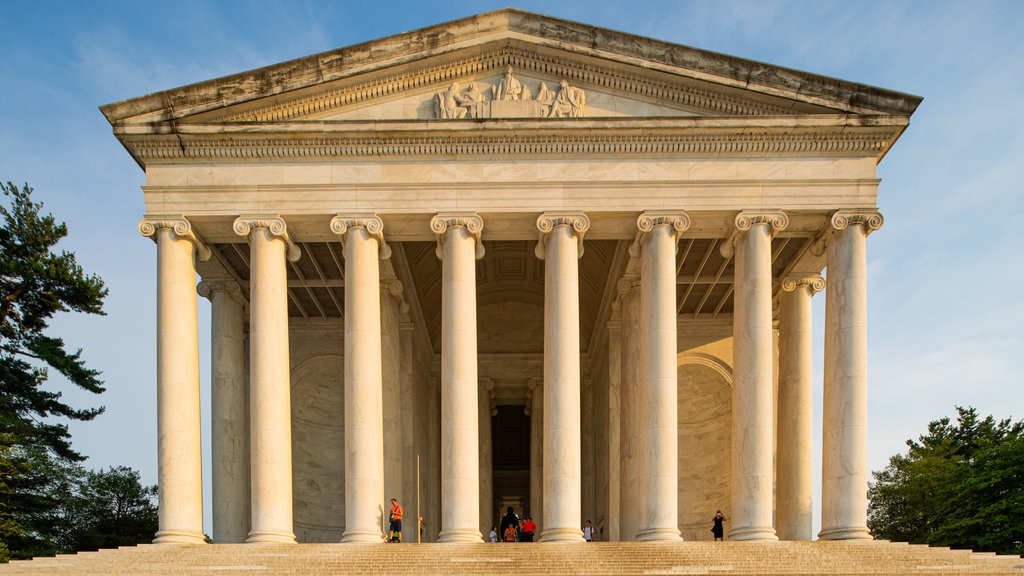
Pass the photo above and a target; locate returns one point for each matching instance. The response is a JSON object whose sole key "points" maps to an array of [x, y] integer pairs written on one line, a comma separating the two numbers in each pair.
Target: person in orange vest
{"points": [[396, 522]]}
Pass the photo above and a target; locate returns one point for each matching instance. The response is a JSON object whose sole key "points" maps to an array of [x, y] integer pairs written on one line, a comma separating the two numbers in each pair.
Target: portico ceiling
{"points": [[510, 272]]}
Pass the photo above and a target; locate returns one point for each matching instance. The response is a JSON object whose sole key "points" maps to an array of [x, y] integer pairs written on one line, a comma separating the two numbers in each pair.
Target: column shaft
{"points": [[179, 449], [460, 465], [487, 518], [844, 419], [752, 427], [630, 410], [270, 389], [562, 447], [364, 415], [794, 483], [658, 406], [229, 406]]}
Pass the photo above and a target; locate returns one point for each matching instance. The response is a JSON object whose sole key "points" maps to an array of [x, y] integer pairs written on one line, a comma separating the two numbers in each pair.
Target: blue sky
{"points": [[945, 319]]}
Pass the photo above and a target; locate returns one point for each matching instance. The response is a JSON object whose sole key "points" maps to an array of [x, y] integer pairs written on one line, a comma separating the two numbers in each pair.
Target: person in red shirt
{"points": [[528, 529], [396, 522]]}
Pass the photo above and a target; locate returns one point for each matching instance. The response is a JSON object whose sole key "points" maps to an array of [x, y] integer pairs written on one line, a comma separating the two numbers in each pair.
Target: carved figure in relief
{"points": [[470, 99], [570, 102], [544, 95], [509, 88], [448, 104]]}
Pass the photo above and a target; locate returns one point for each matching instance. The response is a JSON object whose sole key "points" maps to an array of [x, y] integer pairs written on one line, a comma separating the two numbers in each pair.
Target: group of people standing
{"points": [[514, 530]]}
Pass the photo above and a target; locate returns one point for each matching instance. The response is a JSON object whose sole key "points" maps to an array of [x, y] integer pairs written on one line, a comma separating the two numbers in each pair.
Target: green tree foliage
{"points": [[111, 508], [960, 485], [78, 510], [36, 283]]}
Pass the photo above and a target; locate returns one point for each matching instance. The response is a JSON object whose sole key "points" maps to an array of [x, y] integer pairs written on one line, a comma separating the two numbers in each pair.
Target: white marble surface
{"points": [[364, 444], [752, 426], [562, 459], [844, 473], [658, 390], [179, 450], [270, 389], [460, 467], [229, 407], [794, 491]]}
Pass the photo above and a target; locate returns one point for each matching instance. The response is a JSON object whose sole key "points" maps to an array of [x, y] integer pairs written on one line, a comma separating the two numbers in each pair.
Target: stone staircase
{"points": [[538, 559]]}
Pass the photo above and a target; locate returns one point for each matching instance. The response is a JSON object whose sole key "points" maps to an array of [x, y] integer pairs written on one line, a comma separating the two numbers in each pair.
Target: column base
{"points": [[179, 537], [270, 537], [362, 537], [460, 535], [562, 535], [659, 535], [766, 534], [846, 533]]}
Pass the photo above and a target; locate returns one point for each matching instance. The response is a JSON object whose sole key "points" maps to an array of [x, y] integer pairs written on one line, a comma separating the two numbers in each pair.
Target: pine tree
{"points": [[36, 282]]}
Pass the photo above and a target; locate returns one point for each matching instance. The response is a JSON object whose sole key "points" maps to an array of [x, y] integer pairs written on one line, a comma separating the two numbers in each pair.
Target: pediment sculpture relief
{"points": [[510, 98]]}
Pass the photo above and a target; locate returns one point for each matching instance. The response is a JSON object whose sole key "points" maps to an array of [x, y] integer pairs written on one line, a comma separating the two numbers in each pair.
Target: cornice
{"points": [[529, 138]]}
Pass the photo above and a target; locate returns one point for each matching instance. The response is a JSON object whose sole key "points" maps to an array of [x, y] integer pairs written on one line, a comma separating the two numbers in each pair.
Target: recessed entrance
{"points": [[510, 445]]}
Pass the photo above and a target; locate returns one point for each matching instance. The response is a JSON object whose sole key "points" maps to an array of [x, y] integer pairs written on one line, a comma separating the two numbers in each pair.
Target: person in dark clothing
{"points": [[509, 519], [716, 528]]}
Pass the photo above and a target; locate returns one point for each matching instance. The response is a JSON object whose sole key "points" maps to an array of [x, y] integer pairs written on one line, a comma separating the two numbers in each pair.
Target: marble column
{"points": [[458, 247], [363, 244], [629, 400], [487, 518], [560, 246], [535, 405], [270, 378], [658, 390], [612, 420], [229, 406], [844, 471], [794, 480], [752, 400], [179, 448]]}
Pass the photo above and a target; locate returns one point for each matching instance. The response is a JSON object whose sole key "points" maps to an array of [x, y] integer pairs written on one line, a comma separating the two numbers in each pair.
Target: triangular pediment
{"points": [[432, 74]]}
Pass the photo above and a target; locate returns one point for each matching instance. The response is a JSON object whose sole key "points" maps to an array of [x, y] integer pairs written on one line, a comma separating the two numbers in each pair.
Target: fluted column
{"points": [[179, 448], [229, 406], [658, 406], [753, 366], [535, 404], [486, 456], [629, 400], [794, 481], [458, 246], [362, 237], [844, 471], [270, 377], [560, 246]]}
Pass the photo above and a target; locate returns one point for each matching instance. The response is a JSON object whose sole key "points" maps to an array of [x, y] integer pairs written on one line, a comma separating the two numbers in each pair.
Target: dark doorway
{"points": [[510, 447]]}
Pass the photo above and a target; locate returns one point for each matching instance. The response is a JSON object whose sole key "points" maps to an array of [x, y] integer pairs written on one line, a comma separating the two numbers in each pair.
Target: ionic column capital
{"points": [[776, 220], [374, 226], [179, 226], [393, 287], [548, 221], [647, 221], [814, 283], [471, 221], [871, 220], [276, 225], [206, 288]]}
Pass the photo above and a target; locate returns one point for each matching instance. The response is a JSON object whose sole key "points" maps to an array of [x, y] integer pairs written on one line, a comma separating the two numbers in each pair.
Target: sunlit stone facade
{"points": [[512, 261]]}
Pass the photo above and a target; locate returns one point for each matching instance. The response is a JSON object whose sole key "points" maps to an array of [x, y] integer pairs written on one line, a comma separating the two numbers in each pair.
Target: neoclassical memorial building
{"points": [[512, 260]]}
